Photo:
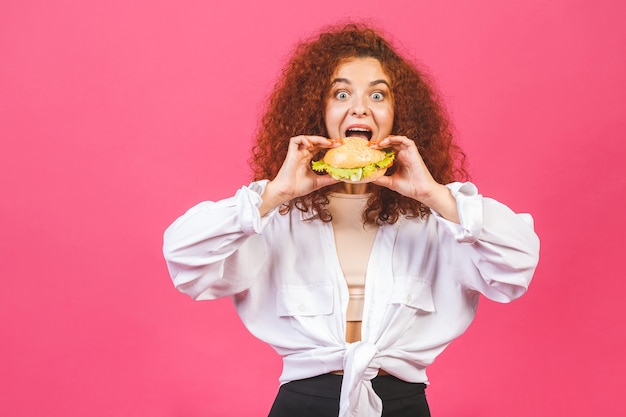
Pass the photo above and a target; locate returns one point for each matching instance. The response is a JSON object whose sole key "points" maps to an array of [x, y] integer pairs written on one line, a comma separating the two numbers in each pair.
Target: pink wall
{"points": [[116, 116]]}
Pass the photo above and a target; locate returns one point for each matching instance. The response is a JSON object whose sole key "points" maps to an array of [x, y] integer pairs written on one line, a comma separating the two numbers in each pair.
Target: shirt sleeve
{"points": [[495, 251], [216, 247]]}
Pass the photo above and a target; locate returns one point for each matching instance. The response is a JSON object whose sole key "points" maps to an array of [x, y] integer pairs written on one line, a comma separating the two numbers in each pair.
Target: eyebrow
{"points": [[347, 81]]}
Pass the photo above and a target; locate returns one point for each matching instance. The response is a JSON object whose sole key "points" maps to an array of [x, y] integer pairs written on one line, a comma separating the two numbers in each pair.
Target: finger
{"points": [[320, 142], [326, 180], [309, 143], [301, 142], [390, 141], [400, 141], [383, 181]]}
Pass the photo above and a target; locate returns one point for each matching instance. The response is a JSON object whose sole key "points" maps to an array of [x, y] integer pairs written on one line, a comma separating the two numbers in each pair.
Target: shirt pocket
{"points": [[414, 293], [305, 300]]}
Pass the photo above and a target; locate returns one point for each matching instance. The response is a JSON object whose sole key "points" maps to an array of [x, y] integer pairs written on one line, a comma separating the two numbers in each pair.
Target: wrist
{"points": [[441, 200], [271, 198]]}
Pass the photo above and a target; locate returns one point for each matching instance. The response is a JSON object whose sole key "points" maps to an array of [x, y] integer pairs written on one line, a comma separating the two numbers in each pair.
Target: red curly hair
{"points": [[296, 107]]}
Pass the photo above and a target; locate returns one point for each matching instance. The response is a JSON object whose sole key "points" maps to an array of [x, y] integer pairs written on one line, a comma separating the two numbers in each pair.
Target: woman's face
{"points": [[360, 101]]}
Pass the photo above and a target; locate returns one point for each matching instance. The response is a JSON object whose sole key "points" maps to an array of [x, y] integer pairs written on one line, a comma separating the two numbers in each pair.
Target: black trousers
{"points": [[319, 397]]}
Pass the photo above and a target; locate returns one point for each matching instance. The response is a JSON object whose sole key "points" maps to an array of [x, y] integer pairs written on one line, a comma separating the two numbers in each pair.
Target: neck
{"points": [[347, 188]]}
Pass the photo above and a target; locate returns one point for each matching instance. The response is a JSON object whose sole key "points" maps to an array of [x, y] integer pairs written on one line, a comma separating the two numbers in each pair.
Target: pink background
{"points": [[117, 115]]}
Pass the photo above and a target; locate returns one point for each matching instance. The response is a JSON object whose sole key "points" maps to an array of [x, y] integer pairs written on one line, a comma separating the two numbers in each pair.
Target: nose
{"points": [[359, 106]]}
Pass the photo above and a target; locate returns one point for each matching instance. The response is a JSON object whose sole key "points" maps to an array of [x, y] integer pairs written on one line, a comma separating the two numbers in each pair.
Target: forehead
{"points": [[367, 69]]}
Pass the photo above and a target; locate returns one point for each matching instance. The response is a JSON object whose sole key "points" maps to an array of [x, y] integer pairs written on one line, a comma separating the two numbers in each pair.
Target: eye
{"points": [[341, 95], [378, 96]]}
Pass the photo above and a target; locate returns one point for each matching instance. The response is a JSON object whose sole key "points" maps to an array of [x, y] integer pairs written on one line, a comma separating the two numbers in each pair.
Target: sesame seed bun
{"points": [[353, 153]]}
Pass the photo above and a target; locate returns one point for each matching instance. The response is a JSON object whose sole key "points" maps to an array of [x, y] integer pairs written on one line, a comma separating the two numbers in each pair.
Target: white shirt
{"points": [[422, 286]]}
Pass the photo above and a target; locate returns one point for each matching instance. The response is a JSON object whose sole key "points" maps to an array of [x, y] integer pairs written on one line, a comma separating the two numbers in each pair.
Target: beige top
{"points": [[354, 242]]}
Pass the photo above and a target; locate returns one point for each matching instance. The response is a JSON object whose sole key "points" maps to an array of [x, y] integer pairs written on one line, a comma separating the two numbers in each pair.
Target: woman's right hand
{"points": [[295, 177]]}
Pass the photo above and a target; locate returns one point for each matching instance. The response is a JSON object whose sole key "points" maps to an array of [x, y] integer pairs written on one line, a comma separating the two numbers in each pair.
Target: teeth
{"points": [[359, 131]]}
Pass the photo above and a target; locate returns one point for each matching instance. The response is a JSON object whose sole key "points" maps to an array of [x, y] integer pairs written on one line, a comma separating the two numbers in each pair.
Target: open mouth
{"points": [[359, 133]]}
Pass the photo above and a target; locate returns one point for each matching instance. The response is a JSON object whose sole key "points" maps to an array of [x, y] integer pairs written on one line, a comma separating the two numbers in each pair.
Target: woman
{"points": [[357, 286]]}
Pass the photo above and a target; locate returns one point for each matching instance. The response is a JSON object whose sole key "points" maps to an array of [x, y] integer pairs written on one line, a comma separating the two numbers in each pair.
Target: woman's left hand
{"points": [[413, 179]]}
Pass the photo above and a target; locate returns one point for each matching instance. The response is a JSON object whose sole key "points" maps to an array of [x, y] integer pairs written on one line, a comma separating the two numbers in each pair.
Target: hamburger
{"points": [[354, 161]]}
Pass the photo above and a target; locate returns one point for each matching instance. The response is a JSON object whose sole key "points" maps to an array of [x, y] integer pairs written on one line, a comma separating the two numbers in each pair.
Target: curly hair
{"points": [[297, 107]]}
